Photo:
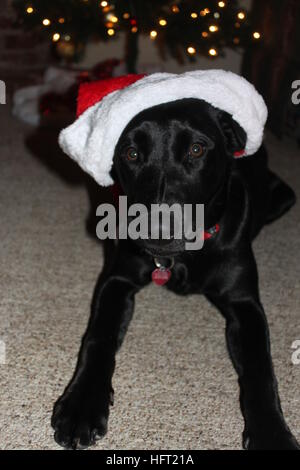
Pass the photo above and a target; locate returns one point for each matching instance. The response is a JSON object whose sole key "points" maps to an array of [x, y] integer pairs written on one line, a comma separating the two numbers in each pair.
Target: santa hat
{"points": [[107, 106]]}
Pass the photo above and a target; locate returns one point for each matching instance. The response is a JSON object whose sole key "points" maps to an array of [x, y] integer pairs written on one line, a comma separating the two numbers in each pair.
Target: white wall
{"points": [[150, 61]]}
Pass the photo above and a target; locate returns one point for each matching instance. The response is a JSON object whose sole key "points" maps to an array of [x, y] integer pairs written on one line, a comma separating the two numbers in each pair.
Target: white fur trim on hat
{"points": [[92, 138]]}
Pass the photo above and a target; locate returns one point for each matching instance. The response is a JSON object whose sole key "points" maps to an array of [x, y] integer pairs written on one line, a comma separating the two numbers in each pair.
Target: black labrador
{"points": [[183, 152]]}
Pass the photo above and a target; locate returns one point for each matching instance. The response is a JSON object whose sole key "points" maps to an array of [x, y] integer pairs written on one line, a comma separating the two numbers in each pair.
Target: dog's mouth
{"points": [[162, 248], [156, 252]]}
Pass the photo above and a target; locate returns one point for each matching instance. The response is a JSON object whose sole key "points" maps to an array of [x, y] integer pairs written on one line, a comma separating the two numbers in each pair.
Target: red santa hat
{"points": [[107, 106]]}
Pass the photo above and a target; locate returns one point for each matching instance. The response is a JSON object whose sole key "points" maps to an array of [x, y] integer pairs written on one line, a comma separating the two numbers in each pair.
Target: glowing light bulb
{"points": [[256, 35], [29, 10], [241, 15], [46, 22], [191, 50], [213, 28], [162, 22], [153, 34], [112, 18], [55, 37], [204, 34], [104, 4], [61, 20], [194, 15], [212, 52], [175, 9], [204, 12], [134, 29], [126, 16], [110, 31], [221, 4]]}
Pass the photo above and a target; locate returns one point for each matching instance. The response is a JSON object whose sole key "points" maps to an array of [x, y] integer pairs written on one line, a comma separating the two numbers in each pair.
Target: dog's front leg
{"points": [[81, 413], [247, 336]]}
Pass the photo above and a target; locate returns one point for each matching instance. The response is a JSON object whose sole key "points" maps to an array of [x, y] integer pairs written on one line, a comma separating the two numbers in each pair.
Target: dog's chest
{"points": [[186, 279]]}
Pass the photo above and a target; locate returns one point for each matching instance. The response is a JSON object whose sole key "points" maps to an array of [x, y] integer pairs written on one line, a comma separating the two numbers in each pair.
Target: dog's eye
{"points": [[132, 153], [196, 150]]}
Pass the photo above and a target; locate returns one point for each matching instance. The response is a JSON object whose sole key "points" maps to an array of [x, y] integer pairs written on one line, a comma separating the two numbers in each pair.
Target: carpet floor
{"points": [[175, 387]]}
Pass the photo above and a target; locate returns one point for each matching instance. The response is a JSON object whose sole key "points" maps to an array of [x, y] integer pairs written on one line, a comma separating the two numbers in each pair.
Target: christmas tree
{"points": [[182, 28]]}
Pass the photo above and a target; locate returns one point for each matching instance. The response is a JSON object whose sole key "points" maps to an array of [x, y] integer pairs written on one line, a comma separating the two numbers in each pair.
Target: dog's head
{"points": [[178, 152], [176, 144]]}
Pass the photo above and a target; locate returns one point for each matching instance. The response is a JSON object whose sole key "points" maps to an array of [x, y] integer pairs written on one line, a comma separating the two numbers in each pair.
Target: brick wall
{"points": [[23, 57]]}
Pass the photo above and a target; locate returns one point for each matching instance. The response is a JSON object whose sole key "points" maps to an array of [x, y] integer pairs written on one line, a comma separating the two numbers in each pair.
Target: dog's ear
{"points": [[234, 135]]}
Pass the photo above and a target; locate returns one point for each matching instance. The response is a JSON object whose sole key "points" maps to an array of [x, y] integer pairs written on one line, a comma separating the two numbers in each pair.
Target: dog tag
{"points": [[161, 275]]}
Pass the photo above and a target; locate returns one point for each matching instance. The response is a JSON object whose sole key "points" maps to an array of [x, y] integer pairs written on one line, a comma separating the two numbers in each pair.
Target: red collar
{"points": [[162, 273], [211, 231]]}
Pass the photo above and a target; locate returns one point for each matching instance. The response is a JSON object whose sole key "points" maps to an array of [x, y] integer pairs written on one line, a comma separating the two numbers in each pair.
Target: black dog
{"points": [[182, 152]]}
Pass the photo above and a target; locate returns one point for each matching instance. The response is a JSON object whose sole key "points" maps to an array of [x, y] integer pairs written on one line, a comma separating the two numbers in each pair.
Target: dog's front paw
{"points": [[271, 439], [80, 418]]}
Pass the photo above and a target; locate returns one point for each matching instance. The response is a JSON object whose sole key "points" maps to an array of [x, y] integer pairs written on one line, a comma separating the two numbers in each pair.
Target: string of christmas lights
{"points": [[178, 25]]}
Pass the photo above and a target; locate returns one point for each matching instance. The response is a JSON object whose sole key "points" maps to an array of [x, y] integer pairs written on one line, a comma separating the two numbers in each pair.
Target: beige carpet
{"points": [[174, 385]]}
